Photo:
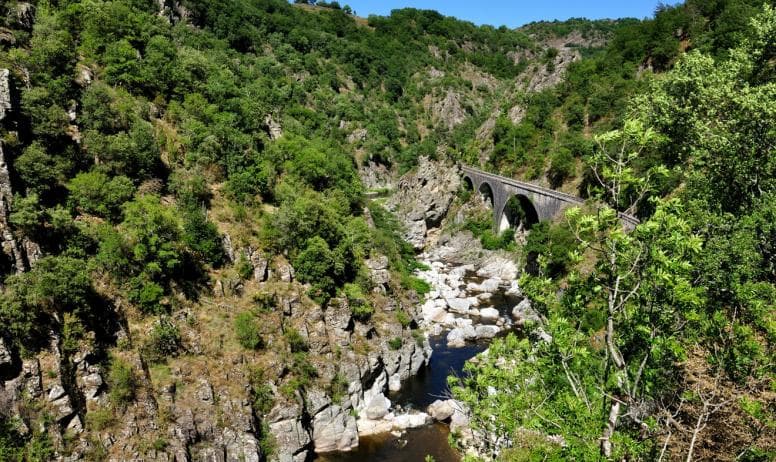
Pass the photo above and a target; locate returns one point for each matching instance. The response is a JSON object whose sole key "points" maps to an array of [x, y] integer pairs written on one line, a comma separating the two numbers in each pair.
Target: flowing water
{"points": [[429, 385]]}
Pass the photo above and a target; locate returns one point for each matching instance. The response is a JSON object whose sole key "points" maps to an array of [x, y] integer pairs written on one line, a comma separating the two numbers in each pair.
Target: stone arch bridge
{"points": [[537, 203]]}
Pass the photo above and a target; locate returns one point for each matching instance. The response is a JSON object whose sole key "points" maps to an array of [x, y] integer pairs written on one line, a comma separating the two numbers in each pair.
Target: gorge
{"points": [[257, 230]]}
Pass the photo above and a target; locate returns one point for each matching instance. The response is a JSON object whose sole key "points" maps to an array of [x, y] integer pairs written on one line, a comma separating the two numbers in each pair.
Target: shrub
{"points": [[360, 307], [164, 341], [395, 343], [261, 391], [338, 388], [121, 382], [316, 265], [417, 284], [247, 331], [503, 241], [147, 295], [264, 301], [404, 319], [100, 419], [554, 243], [243, 267], [202, 237], [95, 193], [296, 342], [561, 167]]}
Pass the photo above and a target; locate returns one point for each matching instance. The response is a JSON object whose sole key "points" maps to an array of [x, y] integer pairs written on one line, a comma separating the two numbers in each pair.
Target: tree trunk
{"points": [[611, 423]]}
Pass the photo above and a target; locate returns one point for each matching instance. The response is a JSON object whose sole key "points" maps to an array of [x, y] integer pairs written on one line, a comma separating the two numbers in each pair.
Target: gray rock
{"points": [[75, 425], [291, 438], [285, 271], [412, 420], [523, 313], [423, 198], [92, 384], [334, 429], [489, 314], [459, 420], [260, 264], [378, 269], [317, 400], [485, 332], [240, 446], [5, 93], [394, 382], [459, 305], [84, 75], [378, 407], [274, 129], [441, 410], [226, 242], [205, 391], [63, 407], [6, 359], [25, 14], [337, 318], [449, 111], [456, 338], [56, 392]]}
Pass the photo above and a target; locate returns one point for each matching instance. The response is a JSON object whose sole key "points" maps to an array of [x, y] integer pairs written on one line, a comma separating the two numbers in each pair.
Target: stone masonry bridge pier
{"points": [[537, 203]]}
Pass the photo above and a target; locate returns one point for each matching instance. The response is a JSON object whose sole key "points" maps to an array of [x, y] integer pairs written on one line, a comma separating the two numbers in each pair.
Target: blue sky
{"points": [[513, 13]]}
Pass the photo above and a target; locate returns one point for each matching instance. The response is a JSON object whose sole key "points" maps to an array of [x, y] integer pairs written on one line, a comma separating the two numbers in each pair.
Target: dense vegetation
{"points": [[139, 137], [666, 332]]}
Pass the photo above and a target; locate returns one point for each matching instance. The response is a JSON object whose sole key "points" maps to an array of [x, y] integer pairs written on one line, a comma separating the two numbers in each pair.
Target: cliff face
{"points": [[423, 198]]}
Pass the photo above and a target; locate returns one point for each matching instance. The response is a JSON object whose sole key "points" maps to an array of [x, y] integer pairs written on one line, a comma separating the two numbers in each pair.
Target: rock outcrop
{"points": [[449, 111], [423, 198], [5, 93]]}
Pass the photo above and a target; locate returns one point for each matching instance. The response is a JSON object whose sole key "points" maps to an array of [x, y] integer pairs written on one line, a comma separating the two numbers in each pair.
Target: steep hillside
{"points": [[197, 263]]}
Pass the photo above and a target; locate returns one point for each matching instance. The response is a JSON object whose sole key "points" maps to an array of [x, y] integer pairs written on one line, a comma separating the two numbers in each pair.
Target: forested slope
{"points": [[183, 186]]}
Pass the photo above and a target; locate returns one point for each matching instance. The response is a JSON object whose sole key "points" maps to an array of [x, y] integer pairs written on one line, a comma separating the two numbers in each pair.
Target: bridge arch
{"points": [[487, 194], [468, 184], [518, 209]]}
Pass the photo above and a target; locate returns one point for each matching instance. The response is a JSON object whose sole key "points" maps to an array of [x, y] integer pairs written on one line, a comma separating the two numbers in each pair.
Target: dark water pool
{"points": [[430, 383], [412, 446]]}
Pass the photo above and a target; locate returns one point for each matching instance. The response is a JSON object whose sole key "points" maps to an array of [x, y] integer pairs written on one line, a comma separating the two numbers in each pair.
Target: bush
{"points": [[296, 342], [264, 301], [417, 284], [100, 419], [247, 331], [562, 166], [122, 382], [503, 241], [360, 307], [164, 341], [554, 243], [404, 319], [95, 193], [395, 343], [202, 237], [316, 265], [147, 295]]}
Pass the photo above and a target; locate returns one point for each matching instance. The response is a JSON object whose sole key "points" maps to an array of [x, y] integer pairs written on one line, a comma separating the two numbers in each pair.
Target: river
{"points": [[418, 392]]}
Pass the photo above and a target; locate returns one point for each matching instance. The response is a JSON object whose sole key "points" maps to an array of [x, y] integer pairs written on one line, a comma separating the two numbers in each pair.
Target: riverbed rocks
{"points": [[523, 313], [335, 429], [461, 299], [441, 410], [378, 407]]}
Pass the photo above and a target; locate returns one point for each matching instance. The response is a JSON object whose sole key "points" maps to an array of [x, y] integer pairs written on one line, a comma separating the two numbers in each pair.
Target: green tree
{"points": [[95, 193]]}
